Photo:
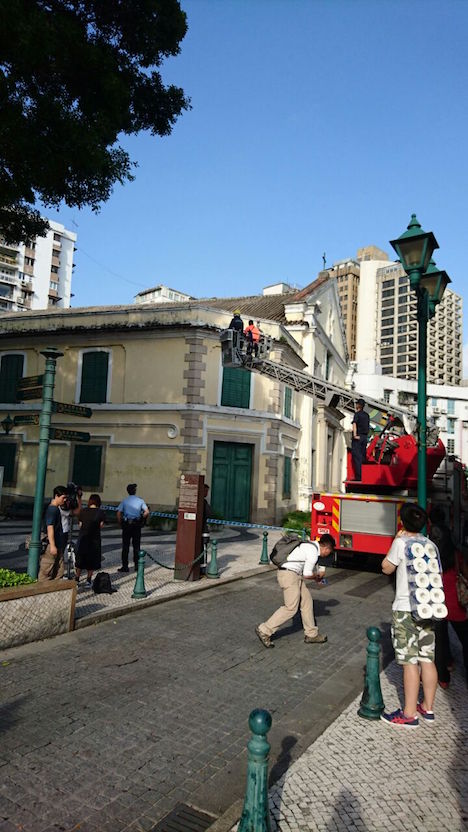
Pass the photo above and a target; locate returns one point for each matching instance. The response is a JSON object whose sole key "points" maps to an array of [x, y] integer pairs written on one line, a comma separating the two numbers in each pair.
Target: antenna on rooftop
{"points": [[324, 258]]}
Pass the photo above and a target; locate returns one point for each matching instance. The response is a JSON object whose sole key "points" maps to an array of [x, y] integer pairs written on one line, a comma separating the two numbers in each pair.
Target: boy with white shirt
{"points": [[413, 641], [298, 567]]}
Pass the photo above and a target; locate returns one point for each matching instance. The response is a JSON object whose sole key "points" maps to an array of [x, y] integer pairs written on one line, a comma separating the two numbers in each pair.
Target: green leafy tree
{"points": [[74, 75]]}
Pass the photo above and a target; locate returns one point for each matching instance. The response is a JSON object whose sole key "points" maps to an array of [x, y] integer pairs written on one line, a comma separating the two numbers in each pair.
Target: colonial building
{"points": [[163, 404]]}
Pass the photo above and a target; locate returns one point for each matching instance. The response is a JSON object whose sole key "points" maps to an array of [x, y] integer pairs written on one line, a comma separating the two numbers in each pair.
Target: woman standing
{"points": [[88, 555]]}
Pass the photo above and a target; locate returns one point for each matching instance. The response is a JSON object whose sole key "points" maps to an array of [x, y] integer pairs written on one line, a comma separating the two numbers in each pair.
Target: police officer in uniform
{"points": [[131, 515]]}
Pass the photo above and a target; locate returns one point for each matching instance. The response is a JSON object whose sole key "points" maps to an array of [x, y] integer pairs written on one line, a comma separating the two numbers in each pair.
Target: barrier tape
{"points": [[213, 522]]}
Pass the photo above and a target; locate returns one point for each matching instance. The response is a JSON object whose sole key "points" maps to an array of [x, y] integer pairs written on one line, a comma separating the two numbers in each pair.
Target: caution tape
{"points": [[213, 522]]}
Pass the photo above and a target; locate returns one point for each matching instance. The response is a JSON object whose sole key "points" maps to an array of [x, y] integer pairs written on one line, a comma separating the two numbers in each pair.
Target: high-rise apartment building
{"points": [[397, 330], [38, 273]]}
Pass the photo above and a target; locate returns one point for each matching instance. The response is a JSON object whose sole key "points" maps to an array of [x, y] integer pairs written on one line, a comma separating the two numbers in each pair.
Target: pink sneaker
{"points": [[428, 716]]}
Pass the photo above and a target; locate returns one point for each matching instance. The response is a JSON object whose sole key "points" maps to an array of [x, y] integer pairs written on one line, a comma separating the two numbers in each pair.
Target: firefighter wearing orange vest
{"points": [[252, 333]]}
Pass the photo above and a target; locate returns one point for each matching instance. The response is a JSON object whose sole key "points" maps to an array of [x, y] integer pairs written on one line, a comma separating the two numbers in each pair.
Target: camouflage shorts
{"points": [[412, 642]]}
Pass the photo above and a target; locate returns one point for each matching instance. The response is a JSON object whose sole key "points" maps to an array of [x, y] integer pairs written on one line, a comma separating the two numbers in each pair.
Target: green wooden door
{"points": [[231, 480]]}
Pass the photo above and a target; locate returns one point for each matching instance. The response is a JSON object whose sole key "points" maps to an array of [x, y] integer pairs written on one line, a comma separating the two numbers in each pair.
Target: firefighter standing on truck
{"points": [[360, 427]]}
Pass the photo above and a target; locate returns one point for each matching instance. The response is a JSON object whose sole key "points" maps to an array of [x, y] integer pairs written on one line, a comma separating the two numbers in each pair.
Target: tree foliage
{"points": [[74, 74]]}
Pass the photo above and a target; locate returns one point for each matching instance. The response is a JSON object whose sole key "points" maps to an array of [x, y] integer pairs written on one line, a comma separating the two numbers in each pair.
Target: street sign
{"points": [[30, 381], [69, 435], [27, 419], [29, 393], [72, 409]]}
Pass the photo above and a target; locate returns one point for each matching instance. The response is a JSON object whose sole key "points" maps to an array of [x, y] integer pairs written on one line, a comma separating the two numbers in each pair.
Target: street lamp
{"points": [[7, 424], [414, 249]]}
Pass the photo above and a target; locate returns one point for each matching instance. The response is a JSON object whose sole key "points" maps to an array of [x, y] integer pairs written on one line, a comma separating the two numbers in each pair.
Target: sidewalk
{"points": [[364, 775], [238, 556]]}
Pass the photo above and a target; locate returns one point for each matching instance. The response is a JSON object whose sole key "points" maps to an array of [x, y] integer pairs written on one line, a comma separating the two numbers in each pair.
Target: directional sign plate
{"points": [[30, 381], [27, 419], [72, 409], [69, 435], [29, 393]]}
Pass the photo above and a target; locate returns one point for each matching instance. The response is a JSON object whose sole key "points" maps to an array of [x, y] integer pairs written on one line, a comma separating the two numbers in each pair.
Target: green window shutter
{"points": [[94, 372], [287, 477], [236, 387], [287, 402], [11, 370], [7, 459], [87, 461]]}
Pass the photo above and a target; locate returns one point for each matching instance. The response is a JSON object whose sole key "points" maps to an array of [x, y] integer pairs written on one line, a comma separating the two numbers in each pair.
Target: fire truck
{"points": [[365, 518]]}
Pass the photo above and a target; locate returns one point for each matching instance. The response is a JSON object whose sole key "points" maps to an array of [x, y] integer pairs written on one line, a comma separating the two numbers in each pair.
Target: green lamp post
{"points": [[51, 355], [414, 249]]}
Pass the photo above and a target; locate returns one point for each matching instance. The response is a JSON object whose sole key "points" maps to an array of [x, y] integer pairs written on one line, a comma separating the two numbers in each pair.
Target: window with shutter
{"points": [[87, 466], [287, 402], [11, 370], [236, 387], [287, 477], [94, 372], [8, 459]]}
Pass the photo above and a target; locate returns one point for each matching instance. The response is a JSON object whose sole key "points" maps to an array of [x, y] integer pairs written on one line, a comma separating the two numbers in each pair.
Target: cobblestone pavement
{"points": [[239, 551], [362, 775], [105, 729]]}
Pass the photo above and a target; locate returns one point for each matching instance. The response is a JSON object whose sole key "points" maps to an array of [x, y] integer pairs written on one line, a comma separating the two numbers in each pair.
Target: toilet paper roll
{"points": [[436, 581], [417, 549], [424, 611], [433, 566], [421, 579], [430, 550], [439, 611], [422, 595], [437, 596], [420, 565]]}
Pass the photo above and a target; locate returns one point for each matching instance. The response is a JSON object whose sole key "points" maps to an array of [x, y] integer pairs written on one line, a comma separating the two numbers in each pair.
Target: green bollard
{"points": [[372, 704], [304, 534], [256, 815], [139, 590], [212, 571], [264, 559]]}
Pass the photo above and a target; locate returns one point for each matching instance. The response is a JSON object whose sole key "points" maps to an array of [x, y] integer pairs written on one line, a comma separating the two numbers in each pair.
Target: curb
{"points": [[106, 615]]}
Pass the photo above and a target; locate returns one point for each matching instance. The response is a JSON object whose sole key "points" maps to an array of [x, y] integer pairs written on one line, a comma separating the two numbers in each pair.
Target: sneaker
{"points": [[266, 640], [318, 639], [400, 720], [89, 581], [428, 716], [123, 569]]}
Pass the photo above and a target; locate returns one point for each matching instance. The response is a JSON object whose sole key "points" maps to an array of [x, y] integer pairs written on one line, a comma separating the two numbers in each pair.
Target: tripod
{"points": [[70, 552]]}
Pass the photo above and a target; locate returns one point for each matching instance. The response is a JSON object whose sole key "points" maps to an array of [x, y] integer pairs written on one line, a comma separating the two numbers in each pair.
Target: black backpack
{"points": [[285, 545], [102, 584]]}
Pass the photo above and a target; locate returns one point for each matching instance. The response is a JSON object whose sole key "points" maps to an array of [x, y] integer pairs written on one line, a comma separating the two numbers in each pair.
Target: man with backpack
{"points": [[294, 569]]}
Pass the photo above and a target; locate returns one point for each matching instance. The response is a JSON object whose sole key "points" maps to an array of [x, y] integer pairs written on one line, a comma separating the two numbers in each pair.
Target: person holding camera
{"points": [[51, 565], [131, 516]]}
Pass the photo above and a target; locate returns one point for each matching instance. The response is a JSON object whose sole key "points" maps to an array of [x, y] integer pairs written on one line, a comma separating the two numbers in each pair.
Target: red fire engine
{"points": [[365, 519]]}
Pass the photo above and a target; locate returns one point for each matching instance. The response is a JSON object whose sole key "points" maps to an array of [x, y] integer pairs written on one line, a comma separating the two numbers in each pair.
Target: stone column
{"points": [[192, 429]]}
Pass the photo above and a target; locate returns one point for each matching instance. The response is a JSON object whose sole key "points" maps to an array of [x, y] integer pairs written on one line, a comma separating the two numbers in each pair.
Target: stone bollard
{"points": [[372, 704], [256, 815], [212, 571], [139, 590], [264, 559]]}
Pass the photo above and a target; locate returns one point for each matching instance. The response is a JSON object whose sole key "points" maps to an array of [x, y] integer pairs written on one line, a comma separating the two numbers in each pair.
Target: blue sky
{"points": [[316, 126]]}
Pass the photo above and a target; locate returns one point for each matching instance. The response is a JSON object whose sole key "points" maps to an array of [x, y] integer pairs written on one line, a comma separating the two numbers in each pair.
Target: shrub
{"points": [[297, 520], [10, 578]]}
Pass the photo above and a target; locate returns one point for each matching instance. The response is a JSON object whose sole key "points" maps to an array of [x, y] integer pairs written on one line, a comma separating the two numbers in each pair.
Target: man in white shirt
{"points": [[299, 567]]}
